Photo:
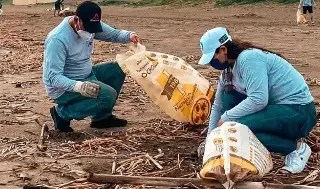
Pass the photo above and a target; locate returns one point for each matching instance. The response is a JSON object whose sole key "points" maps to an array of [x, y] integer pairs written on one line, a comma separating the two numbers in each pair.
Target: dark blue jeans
{"points": [[277, 126]]}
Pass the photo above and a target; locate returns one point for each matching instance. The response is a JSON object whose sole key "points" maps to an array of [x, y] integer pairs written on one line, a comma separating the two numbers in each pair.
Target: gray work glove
{"points": [[87, 89]]}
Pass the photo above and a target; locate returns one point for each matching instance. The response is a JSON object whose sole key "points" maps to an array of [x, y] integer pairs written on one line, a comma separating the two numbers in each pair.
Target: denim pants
{"points": [[110, 78], [277, 126]]}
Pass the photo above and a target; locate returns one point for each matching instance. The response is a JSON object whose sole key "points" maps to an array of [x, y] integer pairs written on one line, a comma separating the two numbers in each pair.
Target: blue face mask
{"points": [[216, 64]]}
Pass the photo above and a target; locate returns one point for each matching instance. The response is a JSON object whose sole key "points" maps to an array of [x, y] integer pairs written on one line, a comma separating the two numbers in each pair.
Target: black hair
{"points": [[236, 46]]}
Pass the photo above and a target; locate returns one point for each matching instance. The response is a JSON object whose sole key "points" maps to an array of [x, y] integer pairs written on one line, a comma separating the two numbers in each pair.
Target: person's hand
{"points": [[87, 89], [134, 38], [220, 122]]}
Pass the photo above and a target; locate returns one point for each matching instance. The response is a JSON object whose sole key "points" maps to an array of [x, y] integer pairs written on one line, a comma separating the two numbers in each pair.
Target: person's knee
{"points": [[265, 140], [262, 137], [119, 71], [122, 74], [113, 67], [107, 94], [231, 99], [250, 122]]}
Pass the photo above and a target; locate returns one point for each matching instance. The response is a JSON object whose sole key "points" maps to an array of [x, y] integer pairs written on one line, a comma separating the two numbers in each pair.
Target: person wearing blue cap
{"points": [[261, 89], [79, 88]]}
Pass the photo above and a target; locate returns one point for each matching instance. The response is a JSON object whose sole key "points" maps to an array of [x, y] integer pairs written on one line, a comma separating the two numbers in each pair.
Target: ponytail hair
{"points": [[236, 46]]}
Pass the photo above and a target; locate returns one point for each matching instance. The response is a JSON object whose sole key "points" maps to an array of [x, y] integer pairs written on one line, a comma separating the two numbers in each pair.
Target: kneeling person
{"points": [[262, 90], [80, 89]]}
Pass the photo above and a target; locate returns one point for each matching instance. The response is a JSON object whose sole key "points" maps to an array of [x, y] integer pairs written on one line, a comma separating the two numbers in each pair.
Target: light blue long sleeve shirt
{"points": [[264, 78], [307, 2], [67, 57]]}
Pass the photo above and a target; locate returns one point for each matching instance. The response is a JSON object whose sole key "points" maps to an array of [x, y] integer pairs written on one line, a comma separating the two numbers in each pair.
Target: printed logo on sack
{"points": [[232, 139], [218, 141], [233, 149], [170, 86], [95, 18], [223, 39], [232, 130]]}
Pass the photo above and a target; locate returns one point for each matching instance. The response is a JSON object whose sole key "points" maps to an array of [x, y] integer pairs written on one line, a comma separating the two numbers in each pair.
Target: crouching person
{"points": [[260, 89], [78, 88]]}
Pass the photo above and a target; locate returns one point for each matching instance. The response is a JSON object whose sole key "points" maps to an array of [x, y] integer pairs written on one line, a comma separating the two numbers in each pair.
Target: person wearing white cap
{"points": [[262, 90]]}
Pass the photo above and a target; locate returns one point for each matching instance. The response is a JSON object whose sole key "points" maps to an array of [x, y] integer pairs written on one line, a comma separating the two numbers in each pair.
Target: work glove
{"points": [[87, 89]]}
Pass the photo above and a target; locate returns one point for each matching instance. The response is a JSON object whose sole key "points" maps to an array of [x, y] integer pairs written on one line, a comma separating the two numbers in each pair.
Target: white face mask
{"points": [[85, 35]]}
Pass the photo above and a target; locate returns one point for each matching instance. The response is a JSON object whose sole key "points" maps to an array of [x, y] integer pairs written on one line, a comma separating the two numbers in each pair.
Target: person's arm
{"points": [[110, 34], [217, 108], [255, 76], [54, 61], [314, 4]]}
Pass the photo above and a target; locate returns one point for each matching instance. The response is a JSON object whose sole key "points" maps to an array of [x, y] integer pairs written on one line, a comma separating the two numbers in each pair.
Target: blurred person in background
{"points": [[1, 11], [307, 7], [58, 6]]}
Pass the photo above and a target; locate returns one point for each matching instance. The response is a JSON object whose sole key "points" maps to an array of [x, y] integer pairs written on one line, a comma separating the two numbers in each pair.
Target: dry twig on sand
{"points": [[177, 182]]}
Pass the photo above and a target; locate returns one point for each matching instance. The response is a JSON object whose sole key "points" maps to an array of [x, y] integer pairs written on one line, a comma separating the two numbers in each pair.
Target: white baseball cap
{"points": [[212, 40]]}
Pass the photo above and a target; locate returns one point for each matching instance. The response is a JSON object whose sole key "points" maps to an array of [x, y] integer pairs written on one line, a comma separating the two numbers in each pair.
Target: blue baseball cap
{"points": [[212, 40]]}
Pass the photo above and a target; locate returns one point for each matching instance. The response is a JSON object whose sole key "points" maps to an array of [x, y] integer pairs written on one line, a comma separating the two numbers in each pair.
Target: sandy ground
{"points": [[172, 30]]}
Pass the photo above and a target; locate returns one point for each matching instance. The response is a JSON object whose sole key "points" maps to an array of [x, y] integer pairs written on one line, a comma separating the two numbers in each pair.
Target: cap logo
{"points": [[223, 39], [95, 18]]}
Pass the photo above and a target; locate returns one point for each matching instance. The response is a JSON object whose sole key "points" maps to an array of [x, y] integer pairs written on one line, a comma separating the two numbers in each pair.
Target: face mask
{"points": [[216, 64], [84, 34]]}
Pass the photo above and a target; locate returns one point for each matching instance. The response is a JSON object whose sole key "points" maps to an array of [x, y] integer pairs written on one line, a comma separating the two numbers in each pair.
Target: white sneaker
{"points": [[297, 160]]}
